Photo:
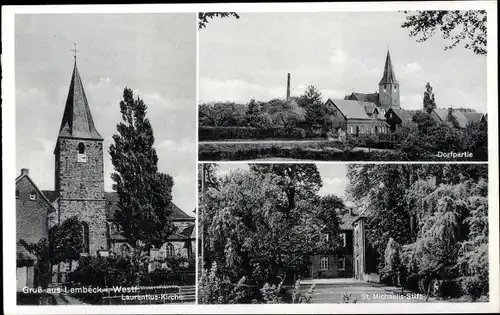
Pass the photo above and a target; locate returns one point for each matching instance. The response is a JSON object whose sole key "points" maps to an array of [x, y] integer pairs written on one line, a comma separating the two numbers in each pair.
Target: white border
{"points": [[9, 168]]}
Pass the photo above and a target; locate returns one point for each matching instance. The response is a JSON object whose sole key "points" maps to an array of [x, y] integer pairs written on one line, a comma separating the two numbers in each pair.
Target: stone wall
{"points": [[79, 175]]}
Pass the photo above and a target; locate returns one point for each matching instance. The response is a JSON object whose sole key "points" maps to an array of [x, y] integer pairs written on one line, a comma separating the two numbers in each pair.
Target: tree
{"points": [[450, 118], [66, 241], [295, 179], [41, 251], [429, 100], [284, 113], [145, 193], [204, 17], [310, 96], [469, 27], [221, 114]]}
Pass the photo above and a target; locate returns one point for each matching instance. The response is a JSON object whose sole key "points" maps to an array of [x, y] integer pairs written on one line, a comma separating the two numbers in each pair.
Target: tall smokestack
{"points": [[288, 89]]}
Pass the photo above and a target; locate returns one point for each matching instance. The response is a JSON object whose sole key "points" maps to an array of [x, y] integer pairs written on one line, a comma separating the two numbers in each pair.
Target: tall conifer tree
{"points": [[145, 193]]}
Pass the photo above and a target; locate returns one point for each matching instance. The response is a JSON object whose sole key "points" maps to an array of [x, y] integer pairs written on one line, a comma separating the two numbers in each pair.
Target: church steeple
{"points": [[389, 77], [77, 119], [388, 87]]}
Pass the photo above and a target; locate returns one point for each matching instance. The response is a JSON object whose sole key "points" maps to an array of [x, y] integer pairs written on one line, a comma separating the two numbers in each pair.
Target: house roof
{"points": [[403, 114], [389, 77], [77, 119], [347, 219], [23, 255], [472, 117], [442, 113], [188, 231], [352, 109]]}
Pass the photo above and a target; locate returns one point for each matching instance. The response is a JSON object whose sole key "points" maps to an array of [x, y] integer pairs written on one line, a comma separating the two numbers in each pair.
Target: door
{"points": [[21, 278]]}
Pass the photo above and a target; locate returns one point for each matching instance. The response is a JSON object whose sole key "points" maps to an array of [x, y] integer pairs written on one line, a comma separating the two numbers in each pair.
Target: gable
{"points": [[25, 178]]}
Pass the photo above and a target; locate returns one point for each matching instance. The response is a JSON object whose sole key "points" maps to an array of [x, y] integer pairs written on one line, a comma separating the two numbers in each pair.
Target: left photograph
{"points": [[106, 158]]}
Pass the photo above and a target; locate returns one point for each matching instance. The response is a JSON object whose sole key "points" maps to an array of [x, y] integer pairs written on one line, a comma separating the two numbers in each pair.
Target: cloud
{"points": [[334, 185], [339, 56], [237, 90]]}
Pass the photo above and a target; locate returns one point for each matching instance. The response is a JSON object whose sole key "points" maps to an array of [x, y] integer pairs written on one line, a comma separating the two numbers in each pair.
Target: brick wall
{"points": [[31, 215]]}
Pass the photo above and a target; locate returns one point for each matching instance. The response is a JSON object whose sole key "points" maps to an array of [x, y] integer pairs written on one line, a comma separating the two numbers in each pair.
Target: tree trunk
{"points": [[428, 290]]}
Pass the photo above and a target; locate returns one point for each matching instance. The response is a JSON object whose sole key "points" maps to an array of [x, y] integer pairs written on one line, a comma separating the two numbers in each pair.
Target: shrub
{"points": [[236, 133]]}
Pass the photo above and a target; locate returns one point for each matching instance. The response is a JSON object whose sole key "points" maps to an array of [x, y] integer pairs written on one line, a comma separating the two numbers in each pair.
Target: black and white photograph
{"points": [[343, 233], [106, 158], [343, 86]]}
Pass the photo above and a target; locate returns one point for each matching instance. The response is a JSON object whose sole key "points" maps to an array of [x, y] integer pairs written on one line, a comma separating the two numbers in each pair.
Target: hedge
{"points": [[248, 133]]}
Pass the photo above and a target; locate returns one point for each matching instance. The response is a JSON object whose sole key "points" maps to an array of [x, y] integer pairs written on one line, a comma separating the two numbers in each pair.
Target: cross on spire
{"points": [[74, 50]]}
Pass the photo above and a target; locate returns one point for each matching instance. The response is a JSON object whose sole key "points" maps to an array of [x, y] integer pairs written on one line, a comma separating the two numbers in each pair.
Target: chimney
{"points": [[25, 171], [288, 89]]}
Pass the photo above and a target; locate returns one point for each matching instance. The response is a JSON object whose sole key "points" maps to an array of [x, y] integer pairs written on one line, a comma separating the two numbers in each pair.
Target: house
{"points": [[337, 266], [32, 211], [356, 117]]}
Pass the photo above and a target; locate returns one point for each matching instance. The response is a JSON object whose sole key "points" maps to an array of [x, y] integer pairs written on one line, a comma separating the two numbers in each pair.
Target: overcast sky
{"points": [[338, 52], [333, 176], [154, 54]]}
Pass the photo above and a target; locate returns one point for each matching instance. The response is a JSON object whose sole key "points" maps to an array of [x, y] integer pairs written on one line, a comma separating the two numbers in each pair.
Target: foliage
{"points": [[144, 203], [284, 113], [347, 298], [451, 119], [222, 114], [262, 224], [469, 27], [204, 17], [429, 99], [66, 241], [246, 133], [299, 298], [42, 254], [392, 260]]}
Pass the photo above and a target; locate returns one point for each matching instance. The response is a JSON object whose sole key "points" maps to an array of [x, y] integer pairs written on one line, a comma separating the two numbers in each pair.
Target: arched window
{"points": [[385, 88], [85, 237], [395, 88], [376, 129], [108, 234], [357, 130], [81, 148], [170, 250]]}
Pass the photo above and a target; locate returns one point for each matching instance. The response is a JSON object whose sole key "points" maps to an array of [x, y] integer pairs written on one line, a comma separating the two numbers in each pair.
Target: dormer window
{"points": [[82, 157], [33, 195]]}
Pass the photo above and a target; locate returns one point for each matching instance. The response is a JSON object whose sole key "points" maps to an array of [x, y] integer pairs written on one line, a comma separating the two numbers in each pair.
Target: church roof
{"points": [[112, 200], [77, 119], [351, 109], [389, 77], [364, 97]]}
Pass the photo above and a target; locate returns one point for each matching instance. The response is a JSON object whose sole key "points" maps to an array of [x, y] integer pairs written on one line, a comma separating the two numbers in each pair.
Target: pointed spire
{"points": [[77, 120], [389, 77]]}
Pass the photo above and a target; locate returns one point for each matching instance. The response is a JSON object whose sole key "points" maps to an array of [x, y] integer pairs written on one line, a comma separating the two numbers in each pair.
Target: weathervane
{"points": [[74, 50]]}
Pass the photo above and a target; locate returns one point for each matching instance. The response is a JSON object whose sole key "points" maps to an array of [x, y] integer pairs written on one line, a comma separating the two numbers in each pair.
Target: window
{"points": [[170, 250], [341, 263], [395, 88], [343, 239], [323, 263], [17, 193], [334, 113], [385, 88], [85, 237], [82, 157], [108, 234], [326, 237], [33, 195], [362, 129], [81, 148], [352, 130], [376, 129]]}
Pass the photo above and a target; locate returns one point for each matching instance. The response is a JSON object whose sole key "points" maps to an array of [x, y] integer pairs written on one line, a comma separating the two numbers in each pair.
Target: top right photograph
{"points": [[343, 86]]}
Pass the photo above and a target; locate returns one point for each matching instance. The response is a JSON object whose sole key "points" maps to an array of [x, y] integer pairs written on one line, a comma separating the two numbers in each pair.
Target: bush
{"points": [[241, 133], [474, 286]]}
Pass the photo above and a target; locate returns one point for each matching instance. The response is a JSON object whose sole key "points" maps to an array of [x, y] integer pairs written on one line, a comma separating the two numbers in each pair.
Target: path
{"points": [[333, 290]]}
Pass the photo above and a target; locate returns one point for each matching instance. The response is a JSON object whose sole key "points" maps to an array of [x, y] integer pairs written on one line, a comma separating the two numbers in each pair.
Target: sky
{"points": [[333, 176], [153, 54], [338, 52]]}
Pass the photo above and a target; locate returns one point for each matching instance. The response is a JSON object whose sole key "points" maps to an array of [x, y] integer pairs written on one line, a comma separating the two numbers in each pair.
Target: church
{"points": [[79, 191], [381, 112]]}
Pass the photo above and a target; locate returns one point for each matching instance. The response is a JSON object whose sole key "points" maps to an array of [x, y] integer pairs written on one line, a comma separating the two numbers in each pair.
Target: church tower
{"points": [[79, 168], [389, 86]]}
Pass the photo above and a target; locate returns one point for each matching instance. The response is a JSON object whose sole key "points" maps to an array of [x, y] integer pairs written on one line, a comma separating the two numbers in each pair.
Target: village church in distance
{"points": [[79, 191]]}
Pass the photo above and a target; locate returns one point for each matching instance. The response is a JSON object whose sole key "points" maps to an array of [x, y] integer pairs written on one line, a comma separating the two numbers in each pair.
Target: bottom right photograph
{"points": [[342, 233]]}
